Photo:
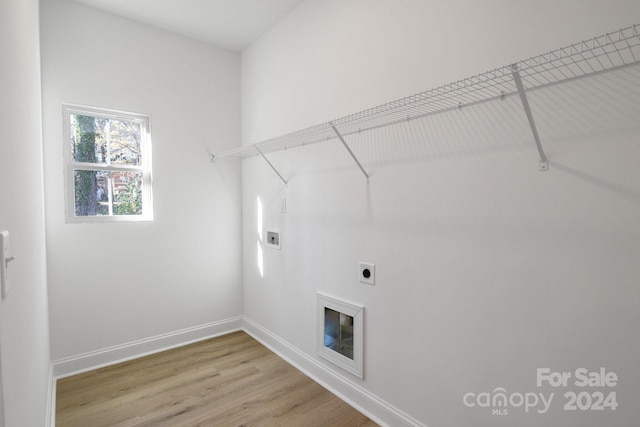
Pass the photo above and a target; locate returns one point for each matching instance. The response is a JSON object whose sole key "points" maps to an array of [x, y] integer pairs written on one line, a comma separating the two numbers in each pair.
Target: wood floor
{"points": [[230, 380]]}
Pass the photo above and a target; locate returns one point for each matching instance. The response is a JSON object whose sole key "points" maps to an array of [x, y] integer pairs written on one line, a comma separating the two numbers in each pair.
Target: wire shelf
{"points": [[604, 53]]}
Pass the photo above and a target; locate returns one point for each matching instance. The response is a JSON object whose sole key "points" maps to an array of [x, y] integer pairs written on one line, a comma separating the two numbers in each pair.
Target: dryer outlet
{"points": [[367, 273]]}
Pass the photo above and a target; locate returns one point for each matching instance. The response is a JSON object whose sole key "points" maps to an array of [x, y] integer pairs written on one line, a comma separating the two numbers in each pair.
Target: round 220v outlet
{"points": [[367, 273]]}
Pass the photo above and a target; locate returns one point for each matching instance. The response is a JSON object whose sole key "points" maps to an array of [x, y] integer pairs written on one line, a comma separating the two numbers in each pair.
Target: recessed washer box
{"points": [[273, 238]]}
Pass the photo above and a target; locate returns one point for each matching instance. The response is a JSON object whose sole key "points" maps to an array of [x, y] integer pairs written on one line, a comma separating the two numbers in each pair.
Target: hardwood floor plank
{"points": [[230, 380]]}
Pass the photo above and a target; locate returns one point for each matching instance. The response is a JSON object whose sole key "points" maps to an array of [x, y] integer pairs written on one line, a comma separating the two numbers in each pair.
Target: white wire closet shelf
{"points": [[601, 54]]}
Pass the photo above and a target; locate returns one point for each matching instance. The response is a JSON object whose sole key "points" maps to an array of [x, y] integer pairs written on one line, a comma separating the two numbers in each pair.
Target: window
{"points": [[107, 165]]}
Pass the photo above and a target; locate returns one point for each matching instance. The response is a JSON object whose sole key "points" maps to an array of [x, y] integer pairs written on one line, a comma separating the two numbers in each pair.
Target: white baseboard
{"points": [[120, 353], [366, 402]]}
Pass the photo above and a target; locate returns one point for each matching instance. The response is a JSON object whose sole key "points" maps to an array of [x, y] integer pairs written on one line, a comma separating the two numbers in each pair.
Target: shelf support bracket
{"points": [[353, 156], [270, 164], [544, 162]]}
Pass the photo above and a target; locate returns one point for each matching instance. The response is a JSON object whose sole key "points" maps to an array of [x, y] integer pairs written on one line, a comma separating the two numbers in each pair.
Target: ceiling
{"points": [[231, 24]]}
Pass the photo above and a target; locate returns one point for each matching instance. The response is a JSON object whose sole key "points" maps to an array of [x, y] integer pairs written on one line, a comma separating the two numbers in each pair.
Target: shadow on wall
{"points": [[631, 194]]}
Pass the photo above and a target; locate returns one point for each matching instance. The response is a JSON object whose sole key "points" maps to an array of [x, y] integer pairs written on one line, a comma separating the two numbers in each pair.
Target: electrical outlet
{"points": [[367, 273]]}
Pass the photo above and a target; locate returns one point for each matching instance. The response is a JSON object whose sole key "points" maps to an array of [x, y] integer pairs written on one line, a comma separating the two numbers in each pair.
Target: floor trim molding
{"points": [[366, 402], [120, 353]]}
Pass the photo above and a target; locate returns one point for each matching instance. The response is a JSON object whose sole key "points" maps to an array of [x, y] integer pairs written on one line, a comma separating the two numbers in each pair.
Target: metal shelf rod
{"points": [[270, 164], [544, 162], [349, 150]]}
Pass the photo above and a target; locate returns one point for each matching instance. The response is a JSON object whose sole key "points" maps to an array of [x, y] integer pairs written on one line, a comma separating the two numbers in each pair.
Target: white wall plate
{"points": [[367, 273]]}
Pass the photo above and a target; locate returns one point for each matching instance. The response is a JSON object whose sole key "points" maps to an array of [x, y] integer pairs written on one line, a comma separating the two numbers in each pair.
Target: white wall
{"points": [[113, 284], [487, 268], [24, 323]]}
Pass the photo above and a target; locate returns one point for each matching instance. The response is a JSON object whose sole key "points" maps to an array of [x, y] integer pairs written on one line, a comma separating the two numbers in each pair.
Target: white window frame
{"points": [[70, 164]]}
